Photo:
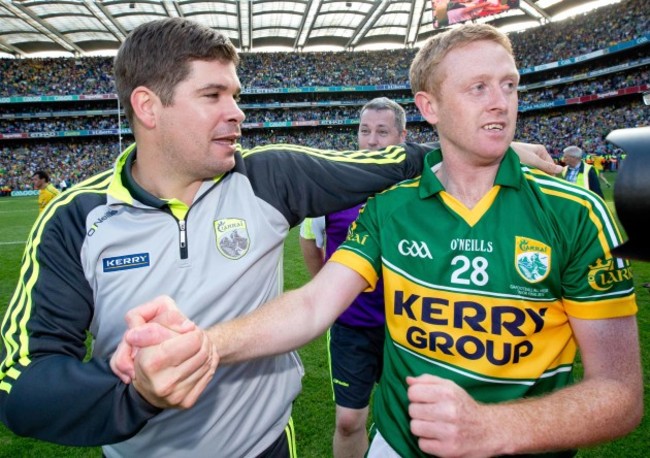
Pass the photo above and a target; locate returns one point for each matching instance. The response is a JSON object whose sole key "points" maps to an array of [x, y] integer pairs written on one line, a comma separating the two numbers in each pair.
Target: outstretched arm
{"points": [[165, 377], [608, 403], [290, 321]]}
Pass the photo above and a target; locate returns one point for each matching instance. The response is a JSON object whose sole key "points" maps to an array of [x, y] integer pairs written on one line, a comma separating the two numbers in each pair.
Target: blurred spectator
{"points": [[46, 190]]}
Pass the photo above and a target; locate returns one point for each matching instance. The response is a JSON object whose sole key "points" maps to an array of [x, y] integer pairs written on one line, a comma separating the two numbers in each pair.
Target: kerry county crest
{"points": [[232, 237], [532, 259]]}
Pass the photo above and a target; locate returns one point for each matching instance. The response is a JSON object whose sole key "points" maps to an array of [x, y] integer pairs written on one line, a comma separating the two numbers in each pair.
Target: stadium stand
{"points": [[581, 79]]}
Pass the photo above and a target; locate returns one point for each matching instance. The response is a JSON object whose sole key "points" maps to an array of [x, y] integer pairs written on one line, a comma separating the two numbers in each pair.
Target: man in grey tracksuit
{"points": [[111, 245], [204, 224]]}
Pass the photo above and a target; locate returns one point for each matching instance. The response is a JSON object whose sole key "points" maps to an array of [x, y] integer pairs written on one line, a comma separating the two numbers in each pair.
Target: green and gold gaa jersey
{"points": [[483, 296], [45, 195]]}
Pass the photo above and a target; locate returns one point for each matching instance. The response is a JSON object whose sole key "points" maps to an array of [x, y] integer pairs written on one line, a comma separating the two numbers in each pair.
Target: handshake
{"points": [[168, 359]]}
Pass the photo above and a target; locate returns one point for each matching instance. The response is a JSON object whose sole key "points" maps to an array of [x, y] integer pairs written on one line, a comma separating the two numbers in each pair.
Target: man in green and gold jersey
{"points": [[495, 274], [46, 190]]}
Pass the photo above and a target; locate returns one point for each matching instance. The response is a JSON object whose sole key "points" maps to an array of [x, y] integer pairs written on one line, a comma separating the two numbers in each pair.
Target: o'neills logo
{"points": [[532, 259], [232, 236], [603, 275]]}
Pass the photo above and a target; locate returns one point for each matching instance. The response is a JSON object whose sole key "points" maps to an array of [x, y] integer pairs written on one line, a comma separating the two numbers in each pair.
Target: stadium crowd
{"points": [[71, 161], [580, 35], [559, 40], [80, 157], [62, 121]]}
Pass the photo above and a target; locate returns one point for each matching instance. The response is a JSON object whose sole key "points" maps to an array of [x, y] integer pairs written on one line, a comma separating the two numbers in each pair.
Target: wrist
{"points": [[215, 336], [498, 437]]}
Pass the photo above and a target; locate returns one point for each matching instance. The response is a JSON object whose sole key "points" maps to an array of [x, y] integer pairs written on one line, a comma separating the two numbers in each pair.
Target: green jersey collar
{"points": [[509, 173]]}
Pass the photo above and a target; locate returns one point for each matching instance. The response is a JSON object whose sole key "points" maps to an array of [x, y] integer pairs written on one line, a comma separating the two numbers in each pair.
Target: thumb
{"points": [[175, 320], [148, 334], [121, 362]]}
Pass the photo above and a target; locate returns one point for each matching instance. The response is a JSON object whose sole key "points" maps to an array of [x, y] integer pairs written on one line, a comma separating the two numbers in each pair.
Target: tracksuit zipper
{"points": [[182, 228]]}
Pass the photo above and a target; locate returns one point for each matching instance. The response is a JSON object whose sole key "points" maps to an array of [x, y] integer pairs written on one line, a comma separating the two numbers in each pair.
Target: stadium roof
{"points": [[30, 28]]}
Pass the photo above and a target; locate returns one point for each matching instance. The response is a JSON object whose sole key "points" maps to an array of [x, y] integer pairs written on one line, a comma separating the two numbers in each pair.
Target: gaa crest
{"points": [[532, 259], [232, 237]]}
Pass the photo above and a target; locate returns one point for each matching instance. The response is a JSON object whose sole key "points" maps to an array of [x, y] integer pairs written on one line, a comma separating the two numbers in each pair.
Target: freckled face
{"points": [[475, 110]]}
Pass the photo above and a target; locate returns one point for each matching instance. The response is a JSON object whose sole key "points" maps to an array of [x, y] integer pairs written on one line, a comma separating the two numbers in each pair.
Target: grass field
{"points": [[314, 410]]}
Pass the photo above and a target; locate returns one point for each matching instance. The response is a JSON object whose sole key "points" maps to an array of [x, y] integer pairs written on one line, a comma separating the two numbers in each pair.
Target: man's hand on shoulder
{"points": [[536, 156]]}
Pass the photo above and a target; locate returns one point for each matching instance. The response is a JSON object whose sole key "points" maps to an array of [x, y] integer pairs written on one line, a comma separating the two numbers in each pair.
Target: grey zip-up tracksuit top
{"points": [[106, 246]]}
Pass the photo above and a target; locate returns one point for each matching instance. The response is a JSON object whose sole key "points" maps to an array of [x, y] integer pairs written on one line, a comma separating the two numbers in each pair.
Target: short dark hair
{"points": [[384, 103], [42, 175], [156, 54]]}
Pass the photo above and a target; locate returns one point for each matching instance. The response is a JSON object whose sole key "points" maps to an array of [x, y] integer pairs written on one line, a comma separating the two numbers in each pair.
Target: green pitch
{"points": [[314, 409]]}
